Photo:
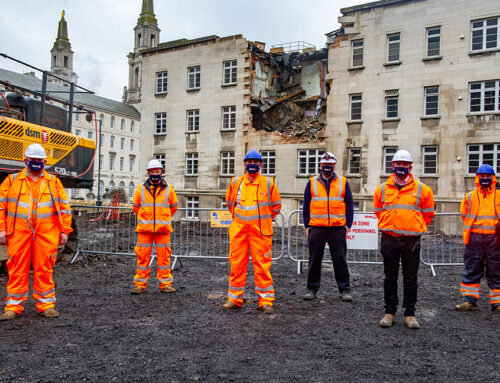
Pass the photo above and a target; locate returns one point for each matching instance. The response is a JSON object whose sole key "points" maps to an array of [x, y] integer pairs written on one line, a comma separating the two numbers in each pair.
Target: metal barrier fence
{"points": [[298, 248], [111, 230]]}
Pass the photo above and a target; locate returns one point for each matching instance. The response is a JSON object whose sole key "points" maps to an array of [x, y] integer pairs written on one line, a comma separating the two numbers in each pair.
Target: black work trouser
{"points": [[336, 238], [406, 249]]}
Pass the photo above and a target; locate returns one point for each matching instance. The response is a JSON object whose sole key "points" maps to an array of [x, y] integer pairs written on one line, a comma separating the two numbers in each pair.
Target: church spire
{"points": [[147, 14], [147, 33], [62, 55], [62, 39]]}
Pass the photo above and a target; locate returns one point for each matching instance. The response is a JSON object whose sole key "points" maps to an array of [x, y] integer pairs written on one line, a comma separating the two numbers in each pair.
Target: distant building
{"points": [[62, 56]]}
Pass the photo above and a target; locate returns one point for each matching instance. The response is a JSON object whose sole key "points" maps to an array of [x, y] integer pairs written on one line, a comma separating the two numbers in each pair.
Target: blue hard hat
{"points": [[485, 169], [253, 155]]}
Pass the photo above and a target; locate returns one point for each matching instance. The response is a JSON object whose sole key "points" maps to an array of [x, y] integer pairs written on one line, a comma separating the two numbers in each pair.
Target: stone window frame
{"points": [[161, 123], [392, 103], [430, 159], [355, 116], [192, 120], [357, 51], [268, 162], [304, 159], [228, 117], [229, 72], [161, 82], [122, 164], [388, 154], [192, 206], [483, 154], [160, 157], [112, 142], [353, 154], [194, 77], [431, 96], [479, 28], [393, 45], [431, 40], [483, 89], [191, 164], [227, 163], [131, 163]]}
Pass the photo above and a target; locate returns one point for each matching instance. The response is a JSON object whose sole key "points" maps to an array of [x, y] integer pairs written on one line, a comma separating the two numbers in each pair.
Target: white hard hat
{"points": [[402, 155], [154, 164], [328, 158], [35, 151]]}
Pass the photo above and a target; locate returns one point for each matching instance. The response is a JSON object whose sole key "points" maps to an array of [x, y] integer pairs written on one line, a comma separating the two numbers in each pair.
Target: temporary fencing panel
{"points": [[111, 230]]}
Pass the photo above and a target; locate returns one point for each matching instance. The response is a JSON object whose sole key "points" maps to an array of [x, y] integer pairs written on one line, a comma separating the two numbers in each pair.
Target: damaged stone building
{"points": [[204, 102], [421, 75]]}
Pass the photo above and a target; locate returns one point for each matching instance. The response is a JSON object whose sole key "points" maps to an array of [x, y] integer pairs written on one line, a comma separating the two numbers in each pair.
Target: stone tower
{"points": [[62, 56], [146, 35]]}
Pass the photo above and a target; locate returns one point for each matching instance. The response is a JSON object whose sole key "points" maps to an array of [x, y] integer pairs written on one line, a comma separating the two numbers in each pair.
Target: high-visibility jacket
{"points": [[254, 209], [17, 203], [403, 212], [480, 210], [327, 209], [155, 211]]}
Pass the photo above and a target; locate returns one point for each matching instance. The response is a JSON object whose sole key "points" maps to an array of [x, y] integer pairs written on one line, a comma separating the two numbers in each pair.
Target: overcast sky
{"points": [[101, 31]]}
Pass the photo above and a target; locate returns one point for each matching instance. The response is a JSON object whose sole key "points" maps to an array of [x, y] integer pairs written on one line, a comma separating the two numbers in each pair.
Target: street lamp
{"points": [[99, 142]]}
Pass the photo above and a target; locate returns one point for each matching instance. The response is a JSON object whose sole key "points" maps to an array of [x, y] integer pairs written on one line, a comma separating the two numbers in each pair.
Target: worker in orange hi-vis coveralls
{"points": [[254, 201], [35, 218], [155, 203]]}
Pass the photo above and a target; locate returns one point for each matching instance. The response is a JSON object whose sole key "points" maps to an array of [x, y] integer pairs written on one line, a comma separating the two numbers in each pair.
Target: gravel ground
{"points": [[105, 334]]}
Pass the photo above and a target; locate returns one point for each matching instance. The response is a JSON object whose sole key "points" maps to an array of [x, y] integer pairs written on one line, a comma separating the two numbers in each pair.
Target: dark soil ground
{"points": [[104, 334]]}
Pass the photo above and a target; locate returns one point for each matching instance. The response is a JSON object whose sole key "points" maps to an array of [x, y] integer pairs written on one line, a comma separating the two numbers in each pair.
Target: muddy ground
{"points": [[104, 334]]}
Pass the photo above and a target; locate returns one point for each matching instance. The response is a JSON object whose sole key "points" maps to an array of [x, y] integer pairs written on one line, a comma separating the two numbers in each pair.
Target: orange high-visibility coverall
{"points": [[155, 208], [253, 205], [33, 214]]}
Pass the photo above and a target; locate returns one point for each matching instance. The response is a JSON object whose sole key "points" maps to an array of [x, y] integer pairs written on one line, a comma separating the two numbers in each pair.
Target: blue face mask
{"points": [[155, 178], [485, 182], [36, 166], [327, 171], [401, 171], [252, 168]]}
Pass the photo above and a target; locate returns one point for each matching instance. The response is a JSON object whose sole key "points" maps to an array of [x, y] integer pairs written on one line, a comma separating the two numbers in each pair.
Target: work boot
{"points": [[411, 322], [346, 296], [465, 306], [229, 305], [49, 313], [168, 289], [387, 320], [310, 296], [138, 290], [266, 309], [8, 315]]}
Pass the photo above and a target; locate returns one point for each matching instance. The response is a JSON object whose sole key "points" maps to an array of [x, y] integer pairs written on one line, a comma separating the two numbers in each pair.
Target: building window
{"points": [[484, 97], [193, 120], [357, 53], [223, 204], [355, 101], [122, 185], [192, 204], [102, 140], [122, 124], [309, 161], [111, 162], [90, 135], [131, 162], [229, 117], [268, 162], [132, 143], [111, 185], [161, 158], [161, 123], [227, 163], [122, 163], [74, 193], [389, 152], [484, 34], [161, 82], [433, 41], [100, 188], [300, 217], [131, 190], [112, 142], [132, 126], [101, 120], [431, 95], [391, 103], [430, 159], [393, 47], [479, 154], [192, 164], [194, 77], [112, 122], [122, 143], [78, 132], [354, 161], [229, 72], [101, 161], [77, 116]]}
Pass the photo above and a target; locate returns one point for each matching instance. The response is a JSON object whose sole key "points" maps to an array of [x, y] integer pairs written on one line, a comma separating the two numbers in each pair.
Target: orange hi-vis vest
{"points": [[403, 212], [258, 210], [155, 212], [327, 209], [480, 210], [18, 203]]}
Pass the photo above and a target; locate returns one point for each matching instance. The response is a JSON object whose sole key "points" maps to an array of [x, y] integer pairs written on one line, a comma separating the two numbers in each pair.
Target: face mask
{"points": [[155, 178], [485, 182], [401, 171], [327, 171], [252, 168], [35, 166]]}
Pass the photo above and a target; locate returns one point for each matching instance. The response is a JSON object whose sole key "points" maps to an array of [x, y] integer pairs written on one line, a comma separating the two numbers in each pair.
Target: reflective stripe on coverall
{"points": [[33, 213], [253, 205], [154, 214]]}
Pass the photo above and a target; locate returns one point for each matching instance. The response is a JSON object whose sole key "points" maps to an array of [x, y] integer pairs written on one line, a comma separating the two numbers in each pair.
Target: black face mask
{"points": [[252, 168], [327, 171], [155, 178], [35, 166], [485, 182], [401, 171]]}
